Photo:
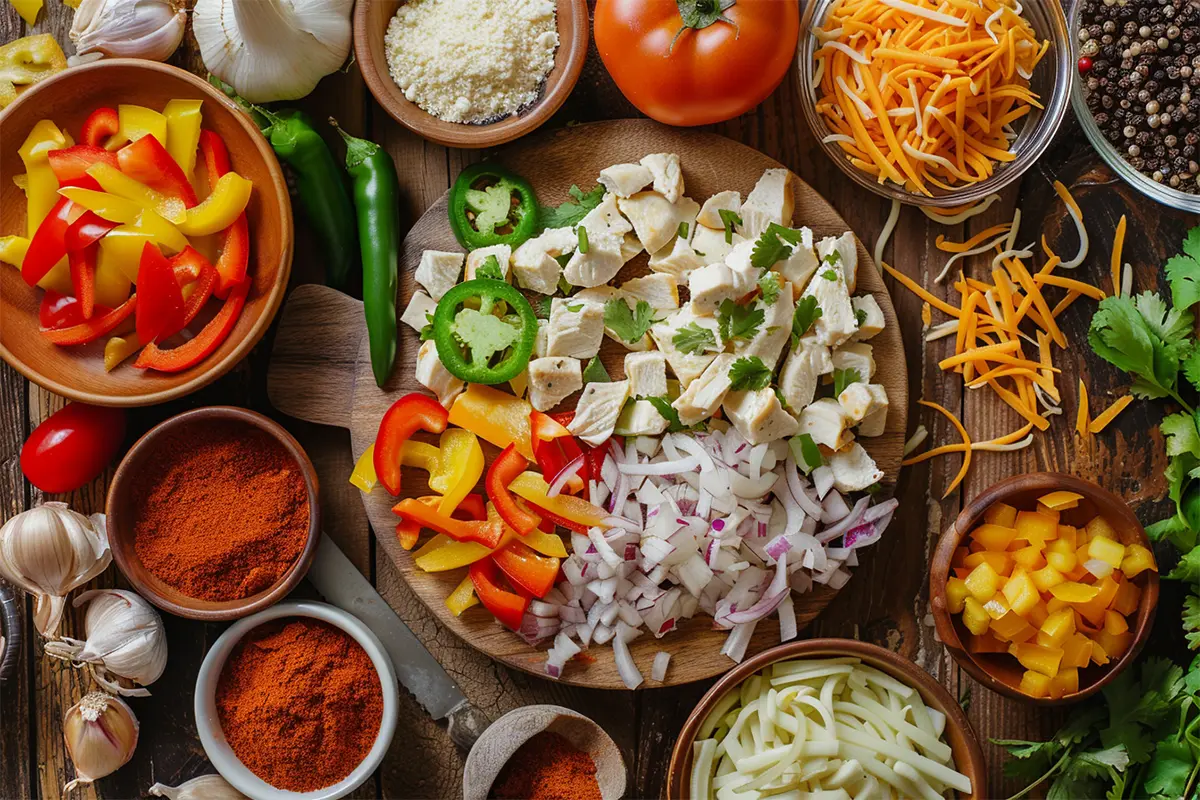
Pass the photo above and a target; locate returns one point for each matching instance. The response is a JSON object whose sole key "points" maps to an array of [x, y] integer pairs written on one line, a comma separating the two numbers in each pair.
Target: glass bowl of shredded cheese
{"points": [[934, 104]]}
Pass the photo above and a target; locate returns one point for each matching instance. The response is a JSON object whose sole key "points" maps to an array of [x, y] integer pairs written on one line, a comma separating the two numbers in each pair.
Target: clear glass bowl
{"points": [[1153, 189], [1052, 81]]}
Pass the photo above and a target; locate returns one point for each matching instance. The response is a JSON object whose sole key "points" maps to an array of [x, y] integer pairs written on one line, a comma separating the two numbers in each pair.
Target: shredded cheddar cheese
{"points": [[1110, 413], [1083, 416]]}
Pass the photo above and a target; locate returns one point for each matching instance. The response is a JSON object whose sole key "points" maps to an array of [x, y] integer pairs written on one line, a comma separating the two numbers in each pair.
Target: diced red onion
{"points": [[628, 671], [787, 620], [833, 508], [658, 671], [845, 524], [557, 657]]}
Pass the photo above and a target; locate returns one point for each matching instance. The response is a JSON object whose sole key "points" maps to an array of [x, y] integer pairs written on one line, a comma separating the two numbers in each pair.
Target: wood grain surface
{"points": [[886, 600]]}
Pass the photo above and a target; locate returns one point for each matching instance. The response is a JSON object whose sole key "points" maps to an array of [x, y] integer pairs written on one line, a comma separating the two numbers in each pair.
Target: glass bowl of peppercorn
{"points": [[1138, 93]]}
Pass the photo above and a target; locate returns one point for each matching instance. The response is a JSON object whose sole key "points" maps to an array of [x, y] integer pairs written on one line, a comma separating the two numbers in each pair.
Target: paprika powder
{"points": [[221, 512], [547, 767], [300, 703]]}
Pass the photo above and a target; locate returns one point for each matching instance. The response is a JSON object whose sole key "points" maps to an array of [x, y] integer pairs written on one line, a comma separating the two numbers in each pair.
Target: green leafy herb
{"points": [[491, 206], [830, 275], [569, 214], [783, 403], [860, 317], [574, 308], [729, 219], [595, 372], [773, 246], [738, 322], [1146, 339], [843, 378], [1183, 272], [768, 284], [749, 373], [484, 334], [629, 324], [806, 453], [682, 233], [693, 339], [427, 331], [564, 285], [562, 262], [581, 233], [807, 312], [490, 268], [833, 259]]}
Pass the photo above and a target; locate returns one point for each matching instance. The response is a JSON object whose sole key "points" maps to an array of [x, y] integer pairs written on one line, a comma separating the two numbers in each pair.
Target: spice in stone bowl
{"points": [[547, 767]]}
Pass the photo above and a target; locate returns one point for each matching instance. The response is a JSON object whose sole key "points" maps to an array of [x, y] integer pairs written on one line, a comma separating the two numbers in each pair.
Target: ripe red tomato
{"points": [[72, 447], [706, 72]]}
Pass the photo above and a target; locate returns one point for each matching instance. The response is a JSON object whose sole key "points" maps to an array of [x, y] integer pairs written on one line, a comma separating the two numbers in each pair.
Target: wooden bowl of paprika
{"points": [[213, 514]]}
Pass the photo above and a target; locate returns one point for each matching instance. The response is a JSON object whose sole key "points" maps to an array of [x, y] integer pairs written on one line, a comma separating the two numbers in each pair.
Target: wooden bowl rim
{"points": [[939, 572], [208, 370], [968, 759], [573, 34], [121, 539]]}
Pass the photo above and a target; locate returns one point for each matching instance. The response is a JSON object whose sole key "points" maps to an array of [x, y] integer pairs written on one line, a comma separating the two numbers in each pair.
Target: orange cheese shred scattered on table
{"points": [[1083, 416], [1110, 413]]}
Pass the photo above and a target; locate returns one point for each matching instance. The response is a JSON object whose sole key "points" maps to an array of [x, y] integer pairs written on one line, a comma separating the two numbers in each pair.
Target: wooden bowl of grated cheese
{"points": [[454, 54]]}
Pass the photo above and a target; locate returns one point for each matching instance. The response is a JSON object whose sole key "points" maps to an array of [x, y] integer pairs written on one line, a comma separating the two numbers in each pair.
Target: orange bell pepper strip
{"points": [[494, 416], [413, 412], [527, 569], [485, 532], [508, 465], [507, 607]]}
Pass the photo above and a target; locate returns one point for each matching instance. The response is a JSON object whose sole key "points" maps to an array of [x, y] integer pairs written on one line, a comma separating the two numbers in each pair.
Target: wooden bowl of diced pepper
{"points": [[1044, 588]]}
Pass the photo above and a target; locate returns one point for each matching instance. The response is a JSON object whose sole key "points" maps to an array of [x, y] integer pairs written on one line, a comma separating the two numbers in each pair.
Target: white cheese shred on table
{"points": [[886, 233]]}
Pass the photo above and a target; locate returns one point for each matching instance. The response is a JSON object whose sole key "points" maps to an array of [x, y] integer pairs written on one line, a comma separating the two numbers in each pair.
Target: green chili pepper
{"points": [[377, 201], [490, 205], [499, 347]]}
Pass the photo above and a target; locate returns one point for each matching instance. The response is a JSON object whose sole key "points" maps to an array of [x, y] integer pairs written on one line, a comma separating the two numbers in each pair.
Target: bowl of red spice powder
{"points": [[299, 701], [213, 514]]}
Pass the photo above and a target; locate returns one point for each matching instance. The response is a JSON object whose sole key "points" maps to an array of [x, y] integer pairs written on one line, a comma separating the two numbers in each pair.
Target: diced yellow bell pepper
{"points": [[463, 596], [1065, 682], [956, 592], [974, 617], [1000, 562], [1036, 527], [113, 181], [1057, 628], [1035, 684], [1046, 578], [1099, 655], [218, 211], [1020, 592], [28, 9], [119, 348], [1137, 560], [1107, 550], [1127, 599], [111, 284], [1029, 558], [1099, 526], [183, 132], [1001, 514], [460, 465], [1072, 592], [532, 487], [1063, 562], [1045, 660], [1093, 610], [134, 122], [1060, 500], [997, 607], [1077, 650], [494, 416], [363, 475], [1012, 628], [1068, 534], [1114, 644], [1115, 623], [41, 186], [993, 537], [987, 643], [548, 544], [983, 582], [519, 384]]}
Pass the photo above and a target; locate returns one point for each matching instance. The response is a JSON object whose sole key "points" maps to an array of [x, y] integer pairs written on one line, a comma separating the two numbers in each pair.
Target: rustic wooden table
{"points": [[885, 603]]}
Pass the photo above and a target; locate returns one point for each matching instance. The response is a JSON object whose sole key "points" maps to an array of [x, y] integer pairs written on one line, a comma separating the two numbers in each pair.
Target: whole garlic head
{"points": [[150, 29], [125, 638], [101, 734]]}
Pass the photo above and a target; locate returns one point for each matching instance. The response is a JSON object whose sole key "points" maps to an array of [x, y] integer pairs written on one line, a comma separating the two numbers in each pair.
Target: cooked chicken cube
{"points": [[438, 271], [712, 284], [869, 317], [854, 469], [710, 246], [667, 174], [678, 259], [647, 374], [654, 218], [801, 262], [534, 264], [836, 323], [771, 200], [659, 290], [846, 247], [600, 264], [873, 424], [576, 328], [689, 363], [775, 331], [477, 258], [758, 416], [857, 356], [862, 402], [802, 373], [701, 398], [631, 247], [641, 418], [826, 422], [710, 212], [625, 179], [606, 217], [542, 343], [686, 210], [552, 380], [597, 411], [434, 377], [419, 311]]}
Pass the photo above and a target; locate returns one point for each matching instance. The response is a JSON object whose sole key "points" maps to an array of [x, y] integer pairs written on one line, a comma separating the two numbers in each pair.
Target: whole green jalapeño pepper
{"points": [[474, 344], [490, 205]]}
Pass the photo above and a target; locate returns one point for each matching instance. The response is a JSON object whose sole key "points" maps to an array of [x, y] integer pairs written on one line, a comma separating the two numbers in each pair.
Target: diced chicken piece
{"points": [[836, 323], [654, 218], [758, 416], [857, 356], [631, 247], [552, 380], [874, 424], [433, 376], [703, 395], [625, 179], [802, 373], [801, 263], [686, 366], [710, 212], [597, 411], [641, 418], [677, 260], [710, 246], [534, 264], [826, 422], [659, 290], [686, 210], [576, 328], [771, 200], [476, 258], [600, 264], [606, 217], [597, 294], [542, 343], [419, 311], [739, 258], [774, 333], [647, 374], [854, 469], [862, 402], [438, 271], [667, 175], [846, 247], [603, 294], [712, 284], [869, 317]]}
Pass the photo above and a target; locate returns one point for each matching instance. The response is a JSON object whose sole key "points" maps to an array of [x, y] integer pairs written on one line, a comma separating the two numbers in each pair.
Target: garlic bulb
{"points": [[206, 787], [125, 638], [101, 733], [272, 49], [149, 29], [50, 550]]}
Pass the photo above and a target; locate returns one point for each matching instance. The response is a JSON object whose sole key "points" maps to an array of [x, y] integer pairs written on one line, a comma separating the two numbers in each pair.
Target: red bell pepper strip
{"points": [[471, 507], [204, 288], [486, 532], [409, 414], [100, 126], [569, 524], [83, 277], [563, 418], [94, 328], [202, 345], [507, 607], [526, 568], [161, 312], [554, 448], [61, 310], [87, 230], [49, 245], [148, 162], [508, 465], [234, 260], [70, 164]]}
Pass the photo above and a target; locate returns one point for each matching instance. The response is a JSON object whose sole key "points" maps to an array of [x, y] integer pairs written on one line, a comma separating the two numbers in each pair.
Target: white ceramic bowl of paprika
{"points": [[208, 723]]}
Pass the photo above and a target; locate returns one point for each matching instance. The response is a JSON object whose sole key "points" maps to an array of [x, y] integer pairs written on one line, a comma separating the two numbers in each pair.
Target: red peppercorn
{"points": [[1085, 65]]}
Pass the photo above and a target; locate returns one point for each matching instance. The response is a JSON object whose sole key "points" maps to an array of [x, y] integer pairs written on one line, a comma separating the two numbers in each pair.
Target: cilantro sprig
{"points": [[729, 219], [569, 214], [629, 324], [843, 378], [749, 373], [768, 286], [738, 322], [490, 268], [693, 339], [807, 312], [774, 245]]}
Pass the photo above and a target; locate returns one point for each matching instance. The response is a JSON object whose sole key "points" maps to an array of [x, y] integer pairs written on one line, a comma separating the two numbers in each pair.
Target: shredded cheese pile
{"points": [[925, 94]]}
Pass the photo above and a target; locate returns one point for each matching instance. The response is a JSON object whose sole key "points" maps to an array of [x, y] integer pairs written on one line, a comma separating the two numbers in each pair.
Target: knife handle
{"points": [[465, 724]]}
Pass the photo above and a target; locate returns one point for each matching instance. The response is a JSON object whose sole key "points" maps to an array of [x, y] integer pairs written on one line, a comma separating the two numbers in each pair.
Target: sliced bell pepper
{"points": [[112, 284], [13, 249], [554, 448], [122, 249], [570, 512], [408, 531], [40, 183], [507, 607], [406, 416], [494, 416], [58, 310], [71, 164], [183, 132], [119, 348], [113, 181], [460, 465], [28, 9], [134, 122], [463, 597], [148, 162], [508, 465], [531, 571], [485, 532], [12, 252], [163, 233], [235, 240], [420, 455], [203, 344], [94, 328], [546, 543], [87, 230], [363, 474], [49, 245], [28, 60], [107, 206], [100, 126], [83, 278], [220, 209], [161, 311], [442, 554], [200, 289], [471, 507]]}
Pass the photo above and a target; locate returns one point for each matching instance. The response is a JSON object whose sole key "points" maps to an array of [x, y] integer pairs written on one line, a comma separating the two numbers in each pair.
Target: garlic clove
{"points": [[150, 29], [101, 734], [206, 787]]}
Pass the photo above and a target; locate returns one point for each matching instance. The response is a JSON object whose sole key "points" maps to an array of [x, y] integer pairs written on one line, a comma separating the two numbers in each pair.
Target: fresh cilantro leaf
{"points": [[629, 324], [749, 373], [562, 262], [1171, 325], [490, 269], [595, 372], [564, 285], [484, 334], [1121, 336], [729, 219], [860, 317], [1176, 531], [1188, 568], [833, 259], [1180, 433], [773, 246], [1183, 272], [541, 307], [682, 233], [783, 403], [427, 330], [843, 378], [830, 275], [1170, 768], [581, 234], [668, 412], [574, 308], [693, 339], [569, 214], [1191, 620], [738, 322], [807, 312], [768, 284], [1191, 367]]}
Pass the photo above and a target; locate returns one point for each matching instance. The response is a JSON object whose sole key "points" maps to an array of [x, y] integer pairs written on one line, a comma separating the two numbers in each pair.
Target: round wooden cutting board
{"points": [[321, 372]]}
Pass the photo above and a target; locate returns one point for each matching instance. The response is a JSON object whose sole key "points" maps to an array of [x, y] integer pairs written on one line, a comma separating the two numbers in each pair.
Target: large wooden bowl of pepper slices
{"points": [[145, 233]]}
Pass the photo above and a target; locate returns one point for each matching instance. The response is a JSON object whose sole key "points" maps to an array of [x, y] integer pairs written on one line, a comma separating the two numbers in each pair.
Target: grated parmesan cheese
{"points": [[465, 61]]}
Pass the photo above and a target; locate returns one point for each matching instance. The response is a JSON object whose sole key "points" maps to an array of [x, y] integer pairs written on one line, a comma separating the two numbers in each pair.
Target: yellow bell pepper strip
{"points": [[441, 554], [113, 181], [41, 186], [219, 210], [571, 512], [161, 232], [363, 474], [26, 61], [28, 9], [110, 284], [548, 544], [463, 597], [58, 279], [13, 250], [412, 412], [134, 122], [414, 454], [486, 532], [494, 416], [183, 132], [459, 469], [119, 348], [122, 249], [102, 204]]}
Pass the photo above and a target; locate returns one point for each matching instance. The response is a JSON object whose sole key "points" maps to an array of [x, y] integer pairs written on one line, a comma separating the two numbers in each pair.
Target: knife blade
{"points": [[336, 577]]}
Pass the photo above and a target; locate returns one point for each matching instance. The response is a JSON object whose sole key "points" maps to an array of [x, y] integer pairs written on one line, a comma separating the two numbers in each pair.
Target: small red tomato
{"points": [[1085, 65], [72, 447]]}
